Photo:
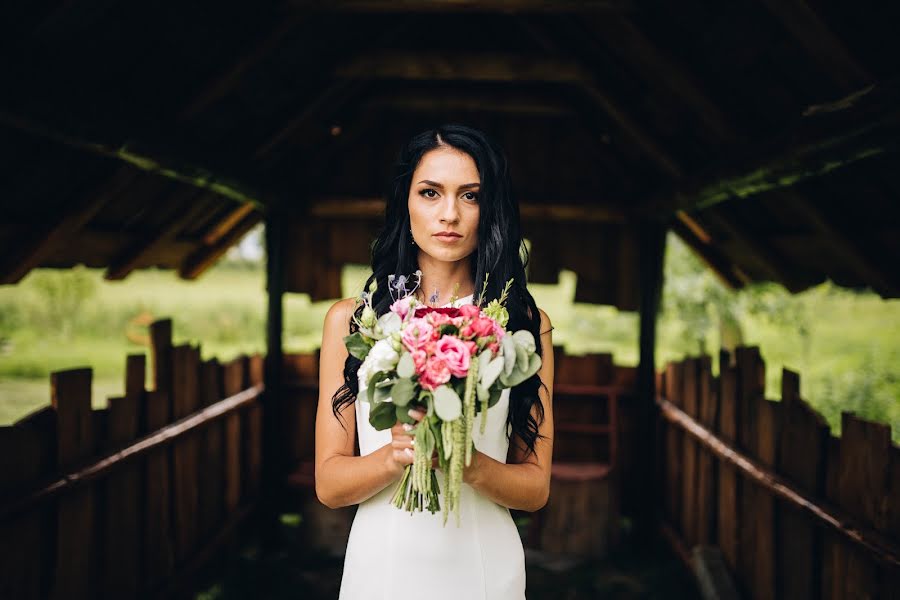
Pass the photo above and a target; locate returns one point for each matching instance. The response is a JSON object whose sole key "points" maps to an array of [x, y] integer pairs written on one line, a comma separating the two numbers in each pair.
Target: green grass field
{"points": [[845, 345]]}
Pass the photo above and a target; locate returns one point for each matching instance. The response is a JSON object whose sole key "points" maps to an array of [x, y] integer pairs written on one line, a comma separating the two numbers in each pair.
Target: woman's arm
{"points": [[523, 483], [343, 479]]}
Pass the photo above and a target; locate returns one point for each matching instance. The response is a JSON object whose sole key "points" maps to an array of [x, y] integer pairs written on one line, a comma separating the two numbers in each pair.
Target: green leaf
{"points": [[403, 415], [382, 394], [521, 358], [524, 338], [357, 345], [383, 416], [406, 367], [509, 354], [403, 391], [495, 397], [447, 403], [491, 372]]}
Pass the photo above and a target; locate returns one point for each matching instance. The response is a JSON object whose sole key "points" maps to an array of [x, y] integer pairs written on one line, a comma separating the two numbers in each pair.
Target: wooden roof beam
{"points": [[820, 43], [464, 6], [882, 281], [206, 256], [29, 254], [126, 262], [133, 154], [864, 125], [729, 274]]}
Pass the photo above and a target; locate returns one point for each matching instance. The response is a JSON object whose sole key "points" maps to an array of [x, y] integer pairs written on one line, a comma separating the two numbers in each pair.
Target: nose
{"points": [[449, 211]]}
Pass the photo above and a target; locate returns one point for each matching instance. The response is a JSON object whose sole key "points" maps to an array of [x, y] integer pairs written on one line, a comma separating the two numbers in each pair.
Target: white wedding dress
{"points": [[394, 555]]}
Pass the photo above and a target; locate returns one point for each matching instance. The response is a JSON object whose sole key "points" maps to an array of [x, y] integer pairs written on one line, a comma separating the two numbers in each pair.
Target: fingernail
{"points": [[407, 427], [413, 442], [411, 413], [410, 453]]}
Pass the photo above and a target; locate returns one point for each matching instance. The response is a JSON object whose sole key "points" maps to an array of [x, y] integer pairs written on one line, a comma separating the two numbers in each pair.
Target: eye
{"points": [[427, 193], [473, 196]]}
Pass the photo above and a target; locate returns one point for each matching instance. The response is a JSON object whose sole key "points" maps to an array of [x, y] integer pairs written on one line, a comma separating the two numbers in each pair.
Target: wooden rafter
{"points": [[820, 43], [134, 155], [727, 272], [885, 283], [455, 100], [469, 6], [205, 256], [362, 208], [851, 132], [221, 228], [190, 206], [35, 249]]}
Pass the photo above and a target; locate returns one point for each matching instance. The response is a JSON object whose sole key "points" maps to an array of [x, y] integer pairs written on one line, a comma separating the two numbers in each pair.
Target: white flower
{"points": [[382, 357]]}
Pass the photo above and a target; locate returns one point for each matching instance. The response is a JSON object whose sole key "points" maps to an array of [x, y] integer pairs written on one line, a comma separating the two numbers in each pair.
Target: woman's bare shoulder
{"points": [[338, 316]]}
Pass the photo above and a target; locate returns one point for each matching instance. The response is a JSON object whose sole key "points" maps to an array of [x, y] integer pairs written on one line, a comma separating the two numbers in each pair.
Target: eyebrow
{"points": [[438, 185]]}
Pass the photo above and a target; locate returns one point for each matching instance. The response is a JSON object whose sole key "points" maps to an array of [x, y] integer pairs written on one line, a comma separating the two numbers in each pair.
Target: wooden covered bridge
{"points": [[764, 133]]}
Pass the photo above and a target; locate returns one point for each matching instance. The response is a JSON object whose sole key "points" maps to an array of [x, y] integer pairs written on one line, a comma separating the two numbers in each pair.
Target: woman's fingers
{"points": [[416, 414]]}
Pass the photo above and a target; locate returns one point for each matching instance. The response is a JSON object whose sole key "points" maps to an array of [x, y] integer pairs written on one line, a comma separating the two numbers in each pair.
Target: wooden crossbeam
{"points": [[205, 256], [465, 101], [468, 6], [30, 253], [190, 206], [820, 43], [728, 273], [350, 207], [221, 229]]}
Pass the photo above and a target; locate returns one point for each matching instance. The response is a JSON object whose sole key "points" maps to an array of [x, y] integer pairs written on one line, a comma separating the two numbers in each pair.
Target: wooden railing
{"points": [[797, 512], [128, 501]]}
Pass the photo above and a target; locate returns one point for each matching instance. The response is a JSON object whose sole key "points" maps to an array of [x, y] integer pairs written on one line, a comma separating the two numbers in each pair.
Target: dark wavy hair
{"points": [[501, 252]]}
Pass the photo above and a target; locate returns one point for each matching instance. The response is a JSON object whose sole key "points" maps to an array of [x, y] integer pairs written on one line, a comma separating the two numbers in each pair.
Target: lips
{"points": [[448, 235]]}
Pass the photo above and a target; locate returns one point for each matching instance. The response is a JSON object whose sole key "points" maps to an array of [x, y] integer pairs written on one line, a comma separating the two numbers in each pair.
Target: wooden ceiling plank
{"points": [[206, 256], [658, 68], [220, 229], [820, 43], [42, 242], [221, 85], [126, 262], [467, 6], [874, 275]]}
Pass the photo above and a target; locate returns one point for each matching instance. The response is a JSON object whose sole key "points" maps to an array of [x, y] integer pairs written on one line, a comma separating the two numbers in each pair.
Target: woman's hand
{"points": [[402, 444]]}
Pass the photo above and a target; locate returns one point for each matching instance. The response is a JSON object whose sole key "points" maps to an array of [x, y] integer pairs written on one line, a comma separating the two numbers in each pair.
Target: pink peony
{"points": [[483, 326], [401, 306], [416, 334], [454, 352], [472, 346]]}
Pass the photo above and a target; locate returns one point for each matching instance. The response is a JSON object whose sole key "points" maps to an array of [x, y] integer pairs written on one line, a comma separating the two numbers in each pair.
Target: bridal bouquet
{"points": [[452, 363]]}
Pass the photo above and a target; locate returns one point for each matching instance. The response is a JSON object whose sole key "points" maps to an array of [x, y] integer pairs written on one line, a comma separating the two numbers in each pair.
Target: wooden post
{"points": [[274, 448], [652, 245]]}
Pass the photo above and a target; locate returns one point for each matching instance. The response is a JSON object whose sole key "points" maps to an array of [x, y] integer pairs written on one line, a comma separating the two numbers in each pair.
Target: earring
{"points": [[412, 240]]}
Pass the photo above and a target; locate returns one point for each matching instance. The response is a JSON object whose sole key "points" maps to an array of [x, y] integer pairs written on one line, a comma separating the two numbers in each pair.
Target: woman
{"points": [[450, 214]]}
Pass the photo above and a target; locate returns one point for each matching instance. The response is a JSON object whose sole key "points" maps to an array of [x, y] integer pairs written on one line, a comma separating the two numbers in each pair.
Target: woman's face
{"points": [[443, 199]]}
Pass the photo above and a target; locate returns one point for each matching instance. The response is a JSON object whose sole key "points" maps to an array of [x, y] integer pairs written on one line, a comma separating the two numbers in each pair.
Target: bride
{"points": [[450, 213]]}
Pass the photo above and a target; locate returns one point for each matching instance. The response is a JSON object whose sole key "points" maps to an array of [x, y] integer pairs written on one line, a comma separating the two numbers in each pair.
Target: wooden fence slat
{"points": [[832, 551], [674, 450], [729, 484], [159, 552], [22, 564], [185, 365], [768, 430], [75, 539], [707, 506], [689, 455], [233, 383], [122, 531], [891, 578], [254, 427], [801, 458], [212, 482], [862, 491], [751, 389]]}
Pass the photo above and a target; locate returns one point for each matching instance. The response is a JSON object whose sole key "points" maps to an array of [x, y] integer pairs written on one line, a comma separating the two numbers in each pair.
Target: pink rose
{"points": [[472, 346], [401, 306], [454, 352], [469, 310], [435, 374], [416, 333], [498, 332], [437, 319], [419, 358], [494, 347], [483, 326]]}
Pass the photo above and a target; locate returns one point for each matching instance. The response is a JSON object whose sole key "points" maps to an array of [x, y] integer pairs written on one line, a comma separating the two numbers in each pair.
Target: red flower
{"points": [[450, 311]]}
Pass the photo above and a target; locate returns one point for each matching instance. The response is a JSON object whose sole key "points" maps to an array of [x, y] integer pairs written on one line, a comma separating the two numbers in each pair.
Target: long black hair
{"points": [[501, 253]]}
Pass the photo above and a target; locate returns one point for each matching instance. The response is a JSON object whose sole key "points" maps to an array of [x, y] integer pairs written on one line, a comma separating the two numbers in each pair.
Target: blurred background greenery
{"points": [[845, 344]]}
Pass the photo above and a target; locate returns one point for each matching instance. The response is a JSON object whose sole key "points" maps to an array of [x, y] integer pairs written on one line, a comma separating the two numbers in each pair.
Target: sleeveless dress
{"points": [[392, 554]]}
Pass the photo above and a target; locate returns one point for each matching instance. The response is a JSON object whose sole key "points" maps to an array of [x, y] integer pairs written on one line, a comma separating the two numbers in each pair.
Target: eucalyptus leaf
{"points": [[521, 358], [372, 385], [383, 416], [534, 364], [509, 354], [403, 391], [447, 403], [403, 415], [484, 359], [514, 378], [490, 373], [495, 397], [406, 367], [524, 338], [382, 394], [357, 346]]}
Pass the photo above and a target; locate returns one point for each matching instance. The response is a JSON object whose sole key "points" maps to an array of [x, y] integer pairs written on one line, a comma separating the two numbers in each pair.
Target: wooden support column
{"points": [[652, 247], [274, 469]]}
